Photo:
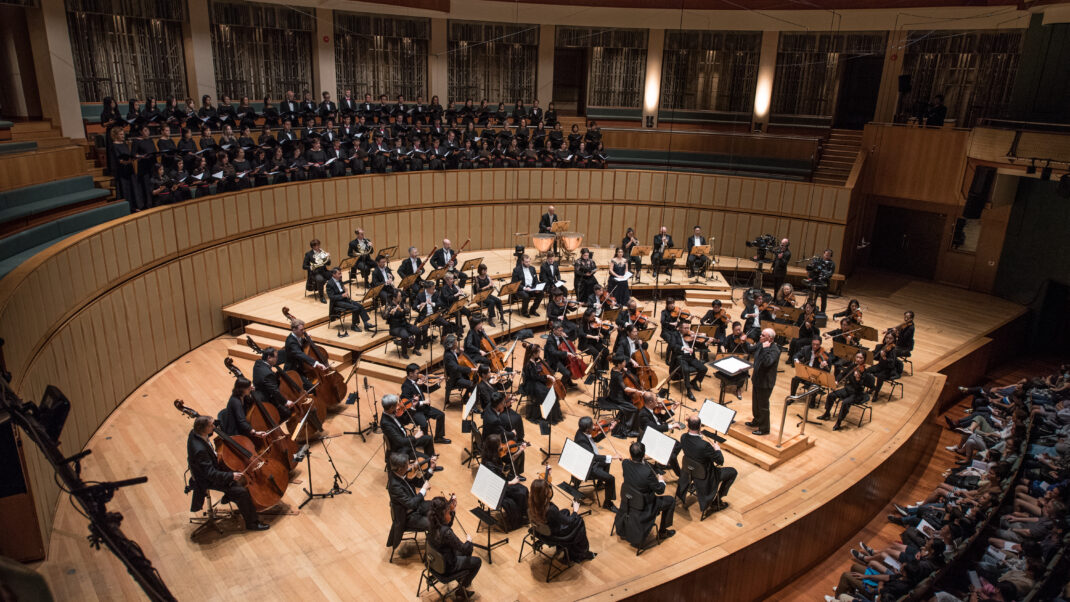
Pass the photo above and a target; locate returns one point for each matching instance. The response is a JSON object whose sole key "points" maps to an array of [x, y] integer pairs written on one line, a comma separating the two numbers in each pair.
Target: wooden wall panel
{"points": [[925, 164], [40, 166]]}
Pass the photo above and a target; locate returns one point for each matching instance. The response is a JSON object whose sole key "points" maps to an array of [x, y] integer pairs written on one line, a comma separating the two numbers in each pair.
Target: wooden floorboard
{"points": [[335, 549]]}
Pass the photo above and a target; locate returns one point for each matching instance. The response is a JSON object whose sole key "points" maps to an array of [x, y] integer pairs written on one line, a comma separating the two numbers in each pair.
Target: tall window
{"points": [[808, 66], [496, 61], [710, 70], [974, 70], [617, 66], [261, 49], [381, 55], [127, 48]]}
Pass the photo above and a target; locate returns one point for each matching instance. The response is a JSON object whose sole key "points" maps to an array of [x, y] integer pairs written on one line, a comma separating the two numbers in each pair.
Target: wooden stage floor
{"points": [[335, 549]]}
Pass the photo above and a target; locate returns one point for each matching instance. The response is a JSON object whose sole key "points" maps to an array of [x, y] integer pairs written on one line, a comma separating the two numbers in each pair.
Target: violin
{"points": [[601, 427], [331, 387], [607, 300], [511, 448], [266, 477], [680, 314], [639, 319], [856, 316], [419, 467], [265, 417], [604, 326], [720, 316]]}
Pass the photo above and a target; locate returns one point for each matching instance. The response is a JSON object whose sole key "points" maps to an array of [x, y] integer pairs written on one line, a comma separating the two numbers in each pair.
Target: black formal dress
{"points": [[457, 556], [569, 530], [409, 507], [514, 504]]}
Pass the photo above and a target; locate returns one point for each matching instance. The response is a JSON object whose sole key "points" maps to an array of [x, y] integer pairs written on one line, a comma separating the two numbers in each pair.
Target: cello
{"points": [[576, 366], [647, 378], [265, 417], [266, 477], [494, 354], [331, 386], [291, 388]]}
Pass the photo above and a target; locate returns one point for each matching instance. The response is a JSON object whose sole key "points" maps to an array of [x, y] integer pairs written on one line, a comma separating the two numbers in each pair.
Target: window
{"points": [[710, 70], [974, 70], [381, 55], [127, 49], [496, 61], [261, 49], [808, 67], [617, 68]]}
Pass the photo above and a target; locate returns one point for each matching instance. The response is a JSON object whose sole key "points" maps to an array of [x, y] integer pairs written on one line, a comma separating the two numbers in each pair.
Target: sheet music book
{"points": [[559, 283], [623, 277], [488, 487], [575, 460], [539, 287], [716, 416], [548, 403], [921, 527], [218, 175], [892, 562], [974, 580], [731, 365], [658, 445], [979, 466], [468, 405]]}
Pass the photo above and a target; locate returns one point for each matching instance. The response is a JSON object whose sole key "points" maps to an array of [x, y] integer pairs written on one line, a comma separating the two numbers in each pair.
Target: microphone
{"points": [[365, 383]]}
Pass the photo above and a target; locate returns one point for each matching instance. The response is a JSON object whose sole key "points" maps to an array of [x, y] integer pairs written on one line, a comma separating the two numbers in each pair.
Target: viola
{"points": [[266, 477], [265, 417], [331, 386]]}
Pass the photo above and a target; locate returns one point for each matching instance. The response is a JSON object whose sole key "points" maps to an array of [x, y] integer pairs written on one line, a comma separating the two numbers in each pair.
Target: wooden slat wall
{"points": [[101, 312], [726, 143], [40, 166]]}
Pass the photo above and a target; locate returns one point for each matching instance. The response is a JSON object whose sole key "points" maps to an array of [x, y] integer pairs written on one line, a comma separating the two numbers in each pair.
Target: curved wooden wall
{"points": [[101, 312]]}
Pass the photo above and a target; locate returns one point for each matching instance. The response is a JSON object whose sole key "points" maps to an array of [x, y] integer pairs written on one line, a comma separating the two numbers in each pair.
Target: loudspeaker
{"points": [[980, 188], [904, 83]]}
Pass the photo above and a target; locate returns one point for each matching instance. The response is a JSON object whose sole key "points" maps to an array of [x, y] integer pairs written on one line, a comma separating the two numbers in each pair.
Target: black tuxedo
{"points": [[646, 418], [336, 292], [456, 374], [266, 383], [296, 358], [398, 440], [421, 413], [806, 356], [718, 479], [550, 273], [546, 222], [527, 296], [378, 277], [316, 277], [640, 477], [660, 241], [696, 263], [409, 506], [205, 474], [763, 379], [232, 418], [439, 260], [599, 472]]}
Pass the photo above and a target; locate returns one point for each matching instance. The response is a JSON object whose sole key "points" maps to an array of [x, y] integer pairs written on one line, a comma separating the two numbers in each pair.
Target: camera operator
{"points": [[781, 257], [821, 270]]}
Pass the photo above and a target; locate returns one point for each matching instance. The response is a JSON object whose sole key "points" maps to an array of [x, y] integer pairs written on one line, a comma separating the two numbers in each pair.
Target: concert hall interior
{"points": [[535, 300]]}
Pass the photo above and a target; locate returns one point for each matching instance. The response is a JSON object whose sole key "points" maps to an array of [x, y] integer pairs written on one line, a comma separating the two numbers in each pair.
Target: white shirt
{"points": [[527, 277]]}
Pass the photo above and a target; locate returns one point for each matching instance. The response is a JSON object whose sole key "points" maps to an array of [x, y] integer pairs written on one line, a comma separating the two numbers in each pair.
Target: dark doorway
{"points": [[570, 80], [907, 241], [859, 87]]}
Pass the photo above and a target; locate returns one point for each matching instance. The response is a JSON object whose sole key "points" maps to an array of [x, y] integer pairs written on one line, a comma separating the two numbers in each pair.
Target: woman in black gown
{"points": [[514, 504], [535, 386], [459, 560], [618, 284], [566, 527]]}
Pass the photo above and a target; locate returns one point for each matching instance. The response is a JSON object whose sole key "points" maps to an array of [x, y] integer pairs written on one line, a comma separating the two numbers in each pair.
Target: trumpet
{"points": [[320, 259]]}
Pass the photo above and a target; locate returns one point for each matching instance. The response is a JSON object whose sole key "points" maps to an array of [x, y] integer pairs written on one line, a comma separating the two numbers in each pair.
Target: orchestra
{"points": [[635, 392]]}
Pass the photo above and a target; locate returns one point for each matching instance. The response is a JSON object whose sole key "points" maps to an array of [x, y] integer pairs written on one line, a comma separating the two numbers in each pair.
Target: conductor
{"points": [[765, 355]]}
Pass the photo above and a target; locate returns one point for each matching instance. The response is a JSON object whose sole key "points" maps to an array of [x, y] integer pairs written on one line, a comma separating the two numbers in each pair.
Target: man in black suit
{"points": [[500, 419], [457, 376], [662, 241], [696, 263], [649, 417], [765, 355], [810, 356], [641, 477], [422, 410], [547, 220], [266, 382], [525, 274], [205, 474], [780, 264], [288, 107], [718, 479], [383, 275], [327, 109], [296, 358], [316, 264], [410, 507], [550, 272], [446, 257], [599, 472], [361, 248], [409, 266], [555, 358], [336, 292], [394, 432]]}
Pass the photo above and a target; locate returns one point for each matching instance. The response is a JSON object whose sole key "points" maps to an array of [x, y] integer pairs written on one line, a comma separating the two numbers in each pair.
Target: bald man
{"points": [[780, 264], [662, 241], [764, 356], [446, 257], [547, 222]]}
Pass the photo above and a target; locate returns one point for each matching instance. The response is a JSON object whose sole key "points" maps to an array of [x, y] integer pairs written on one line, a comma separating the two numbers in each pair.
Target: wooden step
{"points": [[31, 126], [750, 454], [381, 372], [710, 295], [276, 337], [244, 352]]}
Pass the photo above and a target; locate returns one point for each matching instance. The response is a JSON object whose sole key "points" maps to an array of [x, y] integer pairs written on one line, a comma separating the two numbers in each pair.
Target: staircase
{"points": [[837, 157], [40, 132]]}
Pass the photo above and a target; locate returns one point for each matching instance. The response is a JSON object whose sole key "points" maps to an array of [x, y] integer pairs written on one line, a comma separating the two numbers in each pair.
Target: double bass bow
{"points": [[266, 477]]}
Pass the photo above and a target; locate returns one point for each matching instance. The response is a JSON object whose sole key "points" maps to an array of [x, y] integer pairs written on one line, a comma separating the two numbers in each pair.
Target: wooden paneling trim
{"points": [[40, 166]]}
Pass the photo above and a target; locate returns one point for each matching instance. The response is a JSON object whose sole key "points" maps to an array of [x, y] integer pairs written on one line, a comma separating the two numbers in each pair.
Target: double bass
{"points": [[291, 388], [265, 417], [331, 387], [266, 477]]}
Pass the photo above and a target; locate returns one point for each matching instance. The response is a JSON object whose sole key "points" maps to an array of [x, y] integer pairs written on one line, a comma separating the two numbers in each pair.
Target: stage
{"points": [[335, 548]]}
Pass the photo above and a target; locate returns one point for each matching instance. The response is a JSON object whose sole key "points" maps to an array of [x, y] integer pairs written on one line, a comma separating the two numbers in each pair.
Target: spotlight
{"points": [[1032, 169], [1045, 174]]}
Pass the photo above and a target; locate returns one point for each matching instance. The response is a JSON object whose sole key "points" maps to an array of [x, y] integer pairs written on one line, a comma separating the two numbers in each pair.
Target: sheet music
{"points": [[559, 283], [623, 277], [575, 460], [488, 487], [548, 403], [538, 287], [716, 416], [731, 365], [658, 445], [922, 527], [468, 405]]}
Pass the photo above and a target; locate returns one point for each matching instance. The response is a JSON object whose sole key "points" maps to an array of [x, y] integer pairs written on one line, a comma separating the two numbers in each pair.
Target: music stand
{"points": [[407, 282], [701, 251], [545, 408], [509, 289], [610, 315], [791, 314], [717, 417], [471, 264], [826, 381], [788, 331], [347, 264], [576, 461], [372, 294], [868, 333], [489, 489], [390, 251], [437, 274], [641, 251], [709, 330], [847, 352], [670, 255], [728, 366], [806, 411], [560, 226]]}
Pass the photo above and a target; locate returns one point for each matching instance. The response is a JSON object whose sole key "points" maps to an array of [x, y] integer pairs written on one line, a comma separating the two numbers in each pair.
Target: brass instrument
{"points": [[319, 259], [364, 248]]}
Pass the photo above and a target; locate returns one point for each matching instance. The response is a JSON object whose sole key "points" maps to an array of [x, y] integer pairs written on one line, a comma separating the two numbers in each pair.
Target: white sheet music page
{"points": [[716, 416], [658, 445], [548, 403], [575, 460], [488, 487]]}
